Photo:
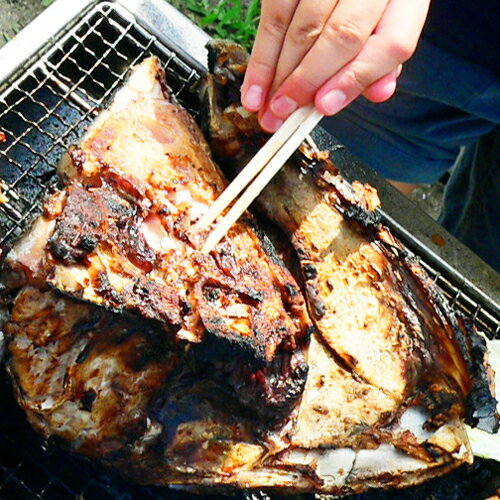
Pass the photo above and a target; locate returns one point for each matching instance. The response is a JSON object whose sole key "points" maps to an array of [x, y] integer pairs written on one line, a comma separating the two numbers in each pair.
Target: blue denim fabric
{"points": [[471, 208], [444, 105]]}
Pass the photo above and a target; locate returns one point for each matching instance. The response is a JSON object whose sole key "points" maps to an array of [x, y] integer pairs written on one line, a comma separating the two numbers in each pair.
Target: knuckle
{"points": [[262, 66], [303, 86], [276, 26], [305, 34], [401, 50], [357, 80], [348, 34]]}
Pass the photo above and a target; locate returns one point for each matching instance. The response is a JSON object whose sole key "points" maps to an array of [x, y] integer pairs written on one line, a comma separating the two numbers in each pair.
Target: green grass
{"points": [[232, 19]]}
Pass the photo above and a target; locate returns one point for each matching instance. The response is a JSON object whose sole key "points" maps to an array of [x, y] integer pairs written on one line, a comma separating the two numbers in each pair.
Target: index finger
{"points": [[305, 28], [343, 37], [276, 16]]}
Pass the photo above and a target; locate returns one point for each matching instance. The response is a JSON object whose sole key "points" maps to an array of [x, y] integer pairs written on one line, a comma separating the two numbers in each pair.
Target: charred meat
{"points": [[371, 302], [121, 392], [131, 347], [118, 234]]}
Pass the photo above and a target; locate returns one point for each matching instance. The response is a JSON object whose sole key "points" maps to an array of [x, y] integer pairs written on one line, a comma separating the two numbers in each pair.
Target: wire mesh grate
{"points": [[484, 321], [49, 108], [43, 111]]}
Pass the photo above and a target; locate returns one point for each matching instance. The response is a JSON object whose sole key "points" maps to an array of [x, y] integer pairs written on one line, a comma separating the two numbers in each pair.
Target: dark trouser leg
{"points": [[471, 209]]}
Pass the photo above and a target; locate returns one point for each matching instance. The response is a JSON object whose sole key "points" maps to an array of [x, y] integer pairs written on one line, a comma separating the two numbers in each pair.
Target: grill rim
{"points": [[33, 40], [157, 16]]}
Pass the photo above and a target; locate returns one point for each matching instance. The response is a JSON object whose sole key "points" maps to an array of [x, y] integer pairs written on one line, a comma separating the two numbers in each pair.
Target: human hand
{"points": [[328, 52]]}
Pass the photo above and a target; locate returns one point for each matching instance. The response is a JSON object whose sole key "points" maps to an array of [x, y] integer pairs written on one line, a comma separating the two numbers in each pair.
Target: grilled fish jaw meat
{"points": [[82, 374], [118, 234], [123, 393], [371, 302], [375, 307]]}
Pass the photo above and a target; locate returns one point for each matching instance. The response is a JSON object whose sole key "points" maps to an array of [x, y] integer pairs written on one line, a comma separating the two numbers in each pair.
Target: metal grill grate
{"points": [[30, 469], [48, 108], [43, 111], [484, 321]]}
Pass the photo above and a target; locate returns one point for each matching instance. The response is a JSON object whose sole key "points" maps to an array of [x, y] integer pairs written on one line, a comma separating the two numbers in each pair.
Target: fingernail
{"points": [[253, 97], [269, 122], [333, 101], [283, 106]]}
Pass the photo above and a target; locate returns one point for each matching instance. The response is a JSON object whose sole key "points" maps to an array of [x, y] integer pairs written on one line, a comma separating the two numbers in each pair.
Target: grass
{"points": [[233, 19]]}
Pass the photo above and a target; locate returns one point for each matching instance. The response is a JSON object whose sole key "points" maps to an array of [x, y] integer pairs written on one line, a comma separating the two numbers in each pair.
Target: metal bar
{"points": [[172, 28], [71, 94], [33, 38]]}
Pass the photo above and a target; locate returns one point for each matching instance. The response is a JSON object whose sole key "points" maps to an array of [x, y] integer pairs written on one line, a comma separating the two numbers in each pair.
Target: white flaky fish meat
{"points": [[331, 365]]}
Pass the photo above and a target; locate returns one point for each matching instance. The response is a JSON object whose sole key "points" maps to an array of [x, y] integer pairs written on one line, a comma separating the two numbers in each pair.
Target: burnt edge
{"points": [[227, 64], [481, 404]]}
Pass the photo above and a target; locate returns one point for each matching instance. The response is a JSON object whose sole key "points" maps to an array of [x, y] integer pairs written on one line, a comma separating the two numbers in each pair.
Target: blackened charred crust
{"points": [[469, 370], [269, 392], [110, 295], [481, 405], [309, 270], [221, 344], [448, 356], [268, 247], [81, 231], [87, 400], [316, 305], [357, 209], [367, 219], [292, 290], [106, 226], [440, 401]]}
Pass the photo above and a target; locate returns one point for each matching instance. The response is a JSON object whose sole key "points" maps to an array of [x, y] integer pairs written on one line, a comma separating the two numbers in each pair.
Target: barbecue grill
{"points": [[54, 78]]}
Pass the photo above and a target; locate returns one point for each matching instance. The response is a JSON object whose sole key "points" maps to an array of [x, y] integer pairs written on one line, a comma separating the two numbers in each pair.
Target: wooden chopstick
{"points": [[254, 166], [298, 127]]}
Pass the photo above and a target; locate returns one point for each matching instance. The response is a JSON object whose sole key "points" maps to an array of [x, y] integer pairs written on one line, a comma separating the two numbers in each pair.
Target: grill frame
{"points": [[35, 64]]}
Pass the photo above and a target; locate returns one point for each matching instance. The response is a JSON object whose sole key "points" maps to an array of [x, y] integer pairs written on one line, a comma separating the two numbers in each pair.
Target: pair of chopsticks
{"points": [[261, 169]]}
